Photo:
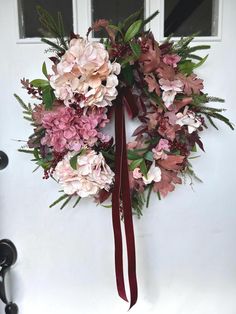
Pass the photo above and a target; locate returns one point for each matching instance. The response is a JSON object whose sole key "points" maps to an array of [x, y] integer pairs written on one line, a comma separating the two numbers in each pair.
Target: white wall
{"points": [[186, 259]]}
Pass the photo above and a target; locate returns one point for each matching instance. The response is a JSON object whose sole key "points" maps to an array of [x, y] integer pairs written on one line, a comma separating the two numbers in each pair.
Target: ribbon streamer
{"points": [[121, 201]]}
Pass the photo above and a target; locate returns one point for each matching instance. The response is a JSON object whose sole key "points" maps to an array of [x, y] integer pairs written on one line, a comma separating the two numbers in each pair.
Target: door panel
{"points": [[185, 243]]}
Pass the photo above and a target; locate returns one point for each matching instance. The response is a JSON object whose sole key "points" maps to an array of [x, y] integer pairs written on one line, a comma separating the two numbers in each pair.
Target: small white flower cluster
{"points": [[153, 175], [189, 119]]}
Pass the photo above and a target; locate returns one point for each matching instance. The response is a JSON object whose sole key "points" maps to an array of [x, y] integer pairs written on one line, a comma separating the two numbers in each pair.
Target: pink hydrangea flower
{"points": [[66, 130], [85, 69], [92, 174], [171, 59]]}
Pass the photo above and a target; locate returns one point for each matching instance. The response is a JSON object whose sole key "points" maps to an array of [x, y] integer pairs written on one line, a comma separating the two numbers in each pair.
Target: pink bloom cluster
{"points": [[66, 130], [85, 69], [91, 175]]}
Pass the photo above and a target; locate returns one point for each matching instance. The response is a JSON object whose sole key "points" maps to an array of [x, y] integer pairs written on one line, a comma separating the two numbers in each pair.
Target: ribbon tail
{"points": [[119, 127], [128, 221]]}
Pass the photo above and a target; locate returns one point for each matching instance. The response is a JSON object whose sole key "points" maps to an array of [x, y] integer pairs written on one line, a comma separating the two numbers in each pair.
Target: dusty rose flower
{"points": [[159, 151], [91, 176], [65, 130], [171, 59]]}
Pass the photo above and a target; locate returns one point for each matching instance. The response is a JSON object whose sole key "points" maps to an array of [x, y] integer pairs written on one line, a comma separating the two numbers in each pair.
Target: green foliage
{"points": [[150, 18], [211, 113], [27, 109], [44, 70], [187, 66], [48, 97], [138, 201], [136, 49], [133, 30], [40, 83], [127, 72], [53, 27], [135, 163], [73, 161]]}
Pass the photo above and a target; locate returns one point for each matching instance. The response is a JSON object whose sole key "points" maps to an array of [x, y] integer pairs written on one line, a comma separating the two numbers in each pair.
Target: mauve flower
{"points": [[171, 59], [162, 147], [91, 176]]}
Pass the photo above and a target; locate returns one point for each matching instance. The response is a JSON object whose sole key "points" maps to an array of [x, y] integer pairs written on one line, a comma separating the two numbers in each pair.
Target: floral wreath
{"points": [[92, 81]]}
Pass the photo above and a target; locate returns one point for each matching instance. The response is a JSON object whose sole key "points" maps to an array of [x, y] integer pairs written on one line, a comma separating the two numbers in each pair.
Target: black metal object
{"points": [[3, 160], [8, 256]]}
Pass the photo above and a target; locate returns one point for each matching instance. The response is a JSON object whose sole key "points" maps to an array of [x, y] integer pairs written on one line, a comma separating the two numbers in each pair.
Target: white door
{"points": [[186, 259]]}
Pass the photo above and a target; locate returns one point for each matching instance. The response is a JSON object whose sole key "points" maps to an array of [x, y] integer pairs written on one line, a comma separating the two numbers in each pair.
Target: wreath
{"points": [[91, 82]]}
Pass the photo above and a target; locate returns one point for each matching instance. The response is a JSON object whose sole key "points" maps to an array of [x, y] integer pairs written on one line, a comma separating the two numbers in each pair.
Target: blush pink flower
{"points": [[85, 69], [170, 89], [92, 174], [171, 59]]}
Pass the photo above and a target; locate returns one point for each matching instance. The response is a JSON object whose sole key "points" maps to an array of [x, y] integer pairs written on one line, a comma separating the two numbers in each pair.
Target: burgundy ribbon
{"points": [[121, 200]]}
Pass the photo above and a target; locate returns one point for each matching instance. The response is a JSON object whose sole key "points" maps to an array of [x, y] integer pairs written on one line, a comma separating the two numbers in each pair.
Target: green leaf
{"points": [[196, 65], [194, 149], [77, 201], [199, 47], [40, 83], [127, 72], [48, 97], [61, 198], [108, 155], [44, 70], [150, 18], [186, 67], [148, 156], [135, 163], [212, 122], [143, 168], [133, 30], [107, 206], [132, 155], [149, 194], [116, 28], [52, 44], [73, 161], [66, 202], [130, 19], [27, 151], [192, 56], [136, 49]]}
